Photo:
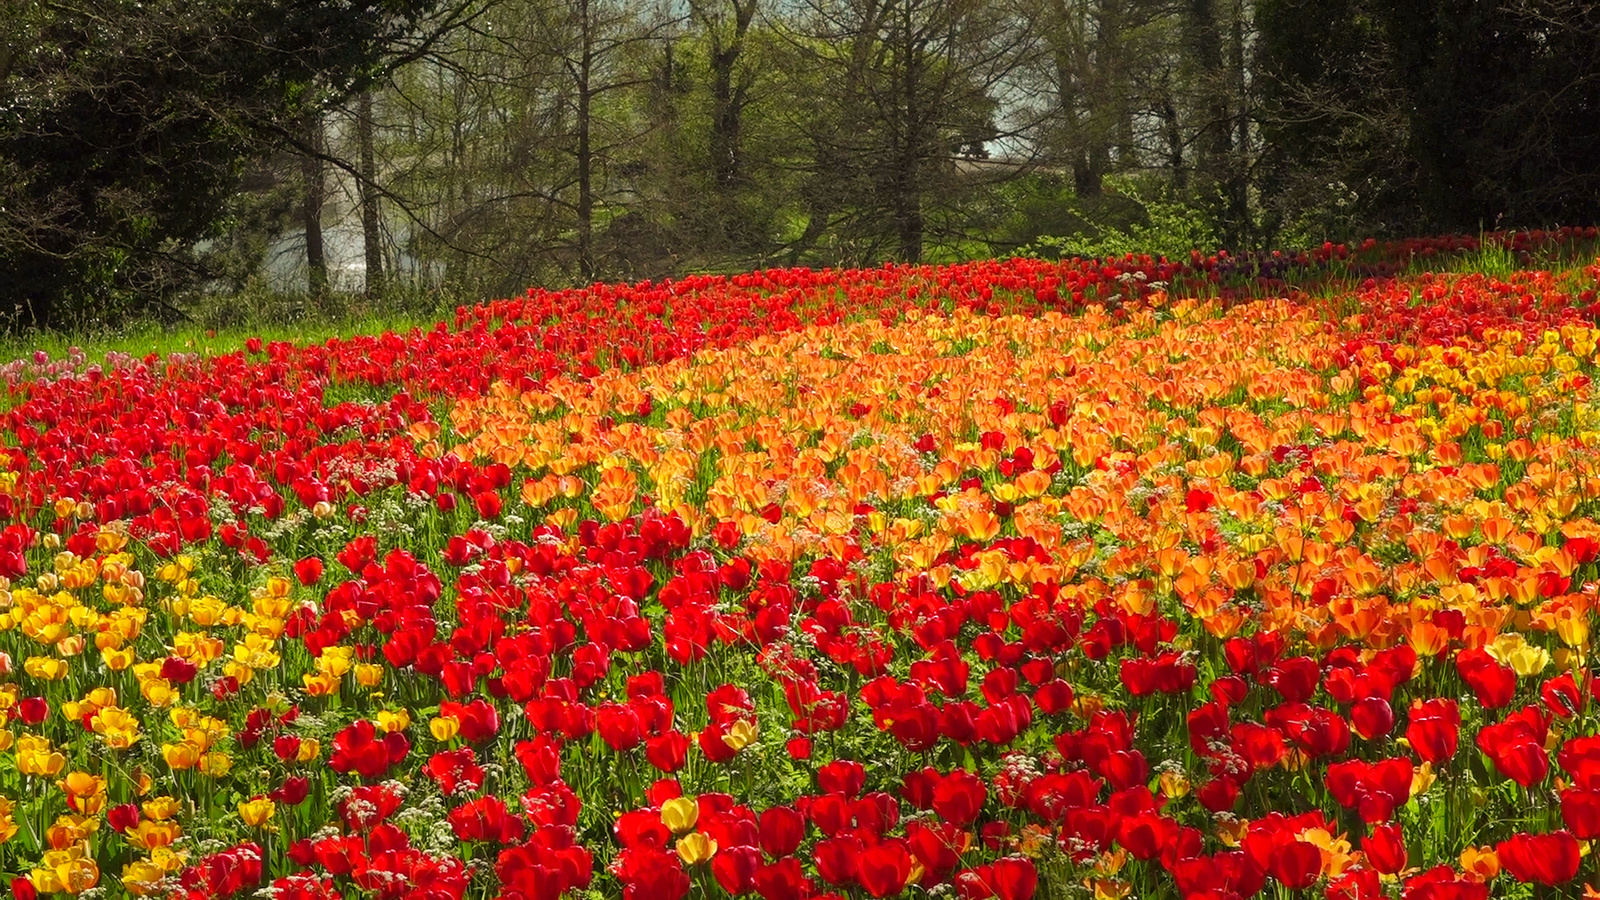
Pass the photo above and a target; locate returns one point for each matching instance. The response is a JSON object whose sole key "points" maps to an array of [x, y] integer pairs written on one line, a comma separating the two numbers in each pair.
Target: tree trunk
{"points": [[1113, 109], [1236, 186], [1173, 133], [585, 150], [311, 170], [908, 180], [1216, 140], [371, 236], [728, 98]]}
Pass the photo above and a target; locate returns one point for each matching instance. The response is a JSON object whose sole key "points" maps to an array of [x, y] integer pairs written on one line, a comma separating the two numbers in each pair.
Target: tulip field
{"points": [[1223, 577]]}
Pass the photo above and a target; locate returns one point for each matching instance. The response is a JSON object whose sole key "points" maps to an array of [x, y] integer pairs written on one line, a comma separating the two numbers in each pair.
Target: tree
{"points": [[908, 86], [1436, 114], [313, 193], [124, 128]]}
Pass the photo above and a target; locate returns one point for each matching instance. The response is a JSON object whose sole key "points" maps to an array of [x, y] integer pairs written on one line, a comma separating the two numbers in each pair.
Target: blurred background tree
{"points": [[152, 153]]}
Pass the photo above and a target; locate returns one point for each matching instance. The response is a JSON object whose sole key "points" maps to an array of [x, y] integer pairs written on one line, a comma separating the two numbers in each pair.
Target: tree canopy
{"points": [[491, 144], [125, 126]]}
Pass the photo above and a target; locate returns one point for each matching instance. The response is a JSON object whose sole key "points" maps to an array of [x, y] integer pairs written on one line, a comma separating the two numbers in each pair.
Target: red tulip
{"points": [[959, 797], [1494, 682], [1146, 834], [1372, 717], [618, 725], [1443, 883], [1015, 878], [884, 868], [668, 752], [1297, 864], [782, 829], [1580, 810], [830, 813], [308, 570], [1562, 696], [1517, 749], [734, 868], [1434, 729], [837, 858], [1580, 758], [842, 776], [1547, 859], [782, 880], [294, 790], [1356, 884], [123, 817], [1053, 697], [1385, 849], [1374, 788], [935, 845], [359, 749], [33, 710], [1295, 678], [641, 828]]}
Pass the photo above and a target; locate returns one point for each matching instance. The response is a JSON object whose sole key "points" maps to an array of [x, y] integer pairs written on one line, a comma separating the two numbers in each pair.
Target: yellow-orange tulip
{"points": [[257, 811], [444, 728], [696, 848]]}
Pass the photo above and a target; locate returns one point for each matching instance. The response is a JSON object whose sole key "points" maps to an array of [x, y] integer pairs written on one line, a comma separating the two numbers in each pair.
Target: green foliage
{"points": [[1429, 115], [125, 127], [1133, 217]]}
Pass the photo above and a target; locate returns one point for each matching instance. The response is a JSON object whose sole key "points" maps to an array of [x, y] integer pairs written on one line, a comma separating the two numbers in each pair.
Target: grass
{"points": [[223, 324]]}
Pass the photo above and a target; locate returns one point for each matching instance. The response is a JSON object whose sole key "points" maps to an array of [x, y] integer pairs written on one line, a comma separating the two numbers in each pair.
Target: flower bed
{"points": [[1007, 580]]}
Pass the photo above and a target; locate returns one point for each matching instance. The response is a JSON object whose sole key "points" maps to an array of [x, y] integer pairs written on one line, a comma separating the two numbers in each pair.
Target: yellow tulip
{"points": [[369, 675], [393, 720], [320, 684], [1174, 785], [1573, 627], [444, 728], [45, 668], [168, 860], [309, 749], [160, 808], [158, 692], [1515, 651], [149, 834], [116, 660], [679, 814], [740, 734], [140, 877], [216, 764], [1480, 861], [696, 848], [257, 811], [119, 728], [36, 756], [1422, 778], [69, 830], [182, 755], [46, 881], [82, 784]]}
